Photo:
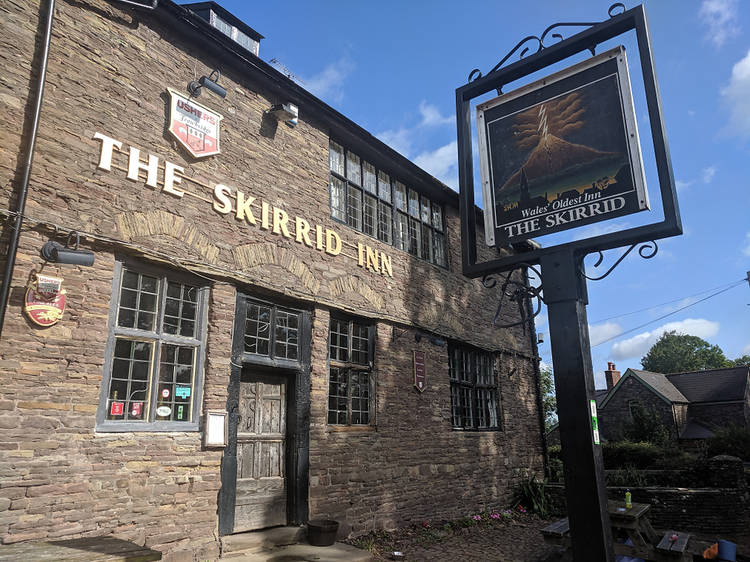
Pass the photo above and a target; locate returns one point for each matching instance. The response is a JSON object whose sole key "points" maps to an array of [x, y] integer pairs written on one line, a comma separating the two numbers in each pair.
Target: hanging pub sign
{"points": [[44, 302], [194, 125], [561, 152], [420, 378]]}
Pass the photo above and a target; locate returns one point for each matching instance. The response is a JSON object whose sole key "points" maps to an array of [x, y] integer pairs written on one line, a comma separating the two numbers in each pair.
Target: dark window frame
{"points": [[467, 383], [275, 309], [159, 339], [350, 369], [354, 215]]}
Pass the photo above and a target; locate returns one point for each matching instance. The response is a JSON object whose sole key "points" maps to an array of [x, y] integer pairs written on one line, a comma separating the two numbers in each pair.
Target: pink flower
{"points": [[495, 515], [521, 508], [477, 517]]}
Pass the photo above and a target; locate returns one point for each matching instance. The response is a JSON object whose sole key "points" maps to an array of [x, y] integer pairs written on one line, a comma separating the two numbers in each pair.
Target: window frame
{"points": [[353, 191], [159, 338], [474, 387], [349, 367], [271, 359]]}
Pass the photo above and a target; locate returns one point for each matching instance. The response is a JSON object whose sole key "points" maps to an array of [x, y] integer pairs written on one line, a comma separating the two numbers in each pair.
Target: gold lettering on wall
{"points": [[245, 206]]}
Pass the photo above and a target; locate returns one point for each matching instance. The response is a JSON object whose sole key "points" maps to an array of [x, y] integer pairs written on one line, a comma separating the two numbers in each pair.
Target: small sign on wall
{"points": [[420, 377], [215, 432]]}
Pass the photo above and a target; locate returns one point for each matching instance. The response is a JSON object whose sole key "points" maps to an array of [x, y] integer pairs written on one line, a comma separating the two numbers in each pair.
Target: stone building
{"points": [[690, 405], [260, 261]]}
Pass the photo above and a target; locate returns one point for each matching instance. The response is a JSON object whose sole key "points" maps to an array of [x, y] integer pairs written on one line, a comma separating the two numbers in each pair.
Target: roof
{"points": [[661, 384], [599, 396], [715, 385], [696, 430], [655, 382]]}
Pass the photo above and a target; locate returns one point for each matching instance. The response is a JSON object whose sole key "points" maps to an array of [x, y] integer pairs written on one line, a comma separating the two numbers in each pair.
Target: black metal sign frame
{"points": [[617, 24]]}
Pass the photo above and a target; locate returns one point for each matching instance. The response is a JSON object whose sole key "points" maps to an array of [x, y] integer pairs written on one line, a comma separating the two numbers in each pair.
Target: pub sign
{"points": [[561, 152], [194, 125], [420, 377]]}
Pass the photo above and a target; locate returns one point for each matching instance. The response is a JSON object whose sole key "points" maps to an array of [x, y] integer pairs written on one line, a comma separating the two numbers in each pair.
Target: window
{"points": [[350, 385], [474, 397], [370, 201], [153, 369], [272, 331]]}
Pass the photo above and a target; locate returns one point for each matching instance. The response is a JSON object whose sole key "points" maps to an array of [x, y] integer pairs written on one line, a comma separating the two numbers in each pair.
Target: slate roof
{"points": [[696, 430], [599, 396], [661, 384], [716, 385]]}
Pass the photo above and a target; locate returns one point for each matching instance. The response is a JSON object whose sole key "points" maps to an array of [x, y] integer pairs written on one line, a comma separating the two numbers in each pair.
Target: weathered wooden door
{"points": [[261, 440]]}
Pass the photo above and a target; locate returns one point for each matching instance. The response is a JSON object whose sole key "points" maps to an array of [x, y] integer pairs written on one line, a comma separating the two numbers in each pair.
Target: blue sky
{"points": [[393, 67]]}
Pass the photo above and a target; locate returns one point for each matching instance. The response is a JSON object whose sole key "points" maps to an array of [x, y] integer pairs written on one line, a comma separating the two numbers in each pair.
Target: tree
{"points": [[678, 353], [646, 426], [549, 403], [740, 361]]}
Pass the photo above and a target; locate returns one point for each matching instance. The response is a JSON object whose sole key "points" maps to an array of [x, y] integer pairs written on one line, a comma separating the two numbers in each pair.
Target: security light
{"points": [[287, 112], [57, 253], [211, 82]]}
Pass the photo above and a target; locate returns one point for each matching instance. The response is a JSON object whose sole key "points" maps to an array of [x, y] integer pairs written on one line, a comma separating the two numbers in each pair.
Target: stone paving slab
{"points": [[338, 552]]}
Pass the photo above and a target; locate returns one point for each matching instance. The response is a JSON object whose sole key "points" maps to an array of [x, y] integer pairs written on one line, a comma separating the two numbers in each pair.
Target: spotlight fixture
{"points": [[287, 112], [434, 340], [57, 253], [211, 82]]}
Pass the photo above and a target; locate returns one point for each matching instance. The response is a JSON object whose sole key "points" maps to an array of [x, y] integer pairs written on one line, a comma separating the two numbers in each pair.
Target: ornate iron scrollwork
{"points": [[614, 10], [647, 250], [518, 292]]}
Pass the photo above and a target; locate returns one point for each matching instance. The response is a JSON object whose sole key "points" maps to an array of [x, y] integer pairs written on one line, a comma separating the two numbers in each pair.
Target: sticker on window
{"points": [[117, 408], [163, 411], [136, 409], [182, 392], [165, 393]]}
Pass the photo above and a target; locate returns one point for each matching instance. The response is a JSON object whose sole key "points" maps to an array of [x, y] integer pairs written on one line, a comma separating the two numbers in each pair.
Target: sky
{"points": [[393, 67]]}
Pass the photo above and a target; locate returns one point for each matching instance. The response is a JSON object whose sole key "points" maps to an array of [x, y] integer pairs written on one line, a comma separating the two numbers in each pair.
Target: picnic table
{"points": [[632, 521]]}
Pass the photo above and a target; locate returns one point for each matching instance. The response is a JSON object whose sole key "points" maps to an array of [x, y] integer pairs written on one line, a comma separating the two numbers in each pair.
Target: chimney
{"points": [[612, 375]]}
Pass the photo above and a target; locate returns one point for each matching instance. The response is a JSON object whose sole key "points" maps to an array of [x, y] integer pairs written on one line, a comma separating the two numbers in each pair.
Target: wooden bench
{"points": [[91, 549], [676, 546]]}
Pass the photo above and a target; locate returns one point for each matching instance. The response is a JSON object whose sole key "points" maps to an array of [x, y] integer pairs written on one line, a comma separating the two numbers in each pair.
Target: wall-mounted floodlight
{"points": [[434, 340], [211, 82], [287, 112], [57, 253]]}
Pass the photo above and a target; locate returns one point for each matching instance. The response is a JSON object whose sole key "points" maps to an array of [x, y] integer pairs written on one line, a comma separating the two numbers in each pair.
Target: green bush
{"points": [[628, 476], [732, 440], [627, 453], [532, 495]]}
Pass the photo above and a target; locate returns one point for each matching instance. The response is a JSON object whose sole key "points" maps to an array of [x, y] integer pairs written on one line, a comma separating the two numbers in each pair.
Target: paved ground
{"points": [[507, 541]]}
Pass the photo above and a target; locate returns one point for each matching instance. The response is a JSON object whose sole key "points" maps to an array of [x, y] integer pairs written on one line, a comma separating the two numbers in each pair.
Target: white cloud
{"points": [[737, 96], [721, 18], [708, 174], [637, 346], [601, 332], [682, 185], [328, 84], [691, 112], [441, 163], [431, 116], [746, 249], [399, 140]]}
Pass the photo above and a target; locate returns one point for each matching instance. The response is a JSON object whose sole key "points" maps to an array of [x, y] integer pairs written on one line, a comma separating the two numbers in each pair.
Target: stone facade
{"points": [[109, 68]]}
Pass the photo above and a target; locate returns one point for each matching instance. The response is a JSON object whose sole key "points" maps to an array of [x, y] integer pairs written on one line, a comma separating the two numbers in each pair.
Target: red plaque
{"points": [[420, 379], [117, 408], [136, 408], [44, 309]]}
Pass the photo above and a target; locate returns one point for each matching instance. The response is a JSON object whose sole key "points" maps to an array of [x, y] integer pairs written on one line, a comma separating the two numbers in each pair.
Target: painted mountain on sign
{"points": [[555, 165]]}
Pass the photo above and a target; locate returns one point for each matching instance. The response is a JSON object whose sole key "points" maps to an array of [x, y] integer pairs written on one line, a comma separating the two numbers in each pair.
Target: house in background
{"points": [[690, 405]]}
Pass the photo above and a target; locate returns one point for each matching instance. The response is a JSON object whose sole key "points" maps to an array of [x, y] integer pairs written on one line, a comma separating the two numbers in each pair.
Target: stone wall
{"points": [[108, 71], [706, 512]]}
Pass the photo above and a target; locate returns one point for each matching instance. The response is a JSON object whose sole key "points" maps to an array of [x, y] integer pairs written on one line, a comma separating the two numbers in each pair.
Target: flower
{"points": [[477, 517], [521, 508], [495, 515], [425, 524]]}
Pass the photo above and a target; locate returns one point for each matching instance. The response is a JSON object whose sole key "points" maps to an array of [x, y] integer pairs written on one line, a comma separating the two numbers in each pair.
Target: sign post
{"points": [[555, 154], [566, 299]]}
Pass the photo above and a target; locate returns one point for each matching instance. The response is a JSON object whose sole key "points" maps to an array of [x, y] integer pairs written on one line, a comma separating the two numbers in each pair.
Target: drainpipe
{"points": [[29, 157]]}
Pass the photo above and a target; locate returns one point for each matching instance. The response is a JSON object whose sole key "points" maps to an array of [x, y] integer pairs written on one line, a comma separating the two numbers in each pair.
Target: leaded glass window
{"points": [[350, 383], [272, 331], [474, 395], [156, 344]]}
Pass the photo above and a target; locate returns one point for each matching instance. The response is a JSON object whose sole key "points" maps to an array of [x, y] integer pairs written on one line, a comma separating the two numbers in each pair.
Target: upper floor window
{"points": [[474, 398], [350, 383], [370, 201], [153, 367]]}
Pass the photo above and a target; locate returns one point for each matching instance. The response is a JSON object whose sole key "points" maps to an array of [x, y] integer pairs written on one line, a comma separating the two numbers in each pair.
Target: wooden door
{"points": [[261, 464]]}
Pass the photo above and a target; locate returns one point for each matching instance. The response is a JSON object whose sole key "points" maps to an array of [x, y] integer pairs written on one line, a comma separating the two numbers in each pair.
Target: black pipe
{"points": [[21, 206]]}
